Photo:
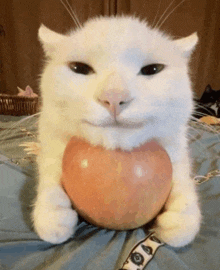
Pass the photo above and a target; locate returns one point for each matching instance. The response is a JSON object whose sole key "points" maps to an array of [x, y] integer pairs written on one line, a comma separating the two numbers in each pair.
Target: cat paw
{"points": [[176, 229], [54, 219], [55, 225]]}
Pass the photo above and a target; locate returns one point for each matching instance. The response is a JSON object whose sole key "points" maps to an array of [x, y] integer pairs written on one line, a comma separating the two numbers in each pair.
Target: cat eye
{"points": [[80, 68], [152, 69]]}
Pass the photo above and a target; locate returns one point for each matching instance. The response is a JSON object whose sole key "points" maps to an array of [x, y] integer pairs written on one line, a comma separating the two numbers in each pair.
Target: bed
{"points": [[94, 248]]}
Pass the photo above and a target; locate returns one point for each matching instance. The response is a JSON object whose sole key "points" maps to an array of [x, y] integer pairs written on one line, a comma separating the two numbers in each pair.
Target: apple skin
{"points": [[116, 189]]}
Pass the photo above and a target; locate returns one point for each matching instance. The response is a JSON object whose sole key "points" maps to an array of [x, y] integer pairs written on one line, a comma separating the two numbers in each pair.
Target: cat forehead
{"points": [[116, 35], [111, 36], [118, 25], [118, 30]]}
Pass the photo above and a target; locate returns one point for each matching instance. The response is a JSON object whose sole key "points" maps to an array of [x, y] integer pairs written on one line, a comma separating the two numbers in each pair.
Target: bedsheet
{"points": [[94, 248]]}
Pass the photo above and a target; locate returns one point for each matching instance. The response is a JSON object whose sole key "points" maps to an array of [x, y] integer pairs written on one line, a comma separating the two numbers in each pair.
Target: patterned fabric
{"points": [[142, 253]]}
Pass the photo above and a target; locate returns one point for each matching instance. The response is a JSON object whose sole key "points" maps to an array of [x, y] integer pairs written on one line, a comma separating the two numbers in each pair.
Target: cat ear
{"points": [[21, 91], [187, 44], [208, 89], [49, 39], [29, 90]]}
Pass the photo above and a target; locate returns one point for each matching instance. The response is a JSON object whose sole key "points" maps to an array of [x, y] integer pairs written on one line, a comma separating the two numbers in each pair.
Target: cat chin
{"points": [[112, 137]]}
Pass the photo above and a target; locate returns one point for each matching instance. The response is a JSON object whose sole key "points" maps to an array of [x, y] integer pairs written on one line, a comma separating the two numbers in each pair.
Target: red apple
{"points": [[116, 189]]}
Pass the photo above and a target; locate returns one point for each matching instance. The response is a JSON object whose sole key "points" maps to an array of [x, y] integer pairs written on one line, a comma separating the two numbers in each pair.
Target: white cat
{"points": [[117, 83]]}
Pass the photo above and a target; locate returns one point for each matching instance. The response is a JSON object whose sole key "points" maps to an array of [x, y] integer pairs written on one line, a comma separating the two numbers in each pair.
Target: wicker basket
{"points": [[16, 105]]}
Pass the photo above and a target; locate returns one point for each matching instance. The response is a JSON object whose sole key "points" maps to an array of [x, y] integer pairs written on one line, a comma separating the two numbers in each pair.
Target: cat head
{"points": [[209, 96], [116, 81]]}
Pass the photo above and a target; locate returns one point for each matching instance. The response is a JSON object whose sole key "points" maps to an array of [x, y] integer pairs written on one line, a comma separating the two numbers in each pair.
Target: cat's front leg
{"points": [[178, 225], [53, 217]]}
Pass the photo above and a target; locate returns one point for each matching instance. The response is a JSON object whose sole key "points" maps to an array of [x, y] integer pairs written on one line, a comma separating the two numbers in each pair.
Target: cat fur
{"points": [[160, 106]]}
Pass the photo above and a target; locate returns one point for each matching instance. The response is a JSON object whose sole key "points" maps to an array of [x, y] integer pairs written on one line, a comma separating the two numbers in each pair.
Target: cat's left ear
{"points": [[187, 44], [49, 39]]}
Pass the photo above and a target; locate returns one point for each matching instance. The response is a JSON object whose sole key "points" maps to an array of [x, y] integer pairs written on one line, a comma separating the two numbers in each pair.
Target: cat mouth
{"points": [[115, 124]]}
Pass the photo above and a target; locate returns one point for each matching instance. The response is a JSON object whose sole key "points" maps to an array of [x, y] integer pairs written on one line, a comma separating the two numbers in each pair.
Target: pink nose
{"points": [[114, 100]]}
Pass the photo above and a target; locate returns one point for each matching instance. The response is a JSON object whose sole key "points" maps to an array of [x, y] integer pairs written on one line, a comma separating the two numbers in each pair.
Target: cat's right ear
{"points": [[187, 44], [49, 39]]}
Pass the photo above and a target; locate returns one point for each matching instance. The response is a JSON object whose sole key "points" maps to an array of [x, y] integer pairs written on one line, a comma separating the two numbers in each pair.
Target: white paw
{"points": [[56, 225], [176, 229], [54, 222]]}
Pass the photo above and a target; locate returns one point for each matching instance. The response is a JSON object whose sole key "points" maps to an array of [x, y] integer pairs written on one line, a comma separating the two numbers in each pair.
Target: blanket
{"points": [[93, 248]]}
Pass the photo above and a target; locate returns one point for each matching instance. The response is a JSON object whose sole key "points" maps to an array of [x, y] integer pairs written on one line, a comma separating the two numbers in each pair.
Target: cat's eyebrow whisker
{"points": [[164, 13], [71, 12], [156, 14], [158, 27], [74, 14]]}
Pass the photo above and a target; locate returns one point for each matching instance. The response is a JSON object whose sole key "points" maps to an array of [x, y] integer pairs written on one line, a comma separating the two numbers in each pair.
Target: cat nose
{"points": [[115, 100]]}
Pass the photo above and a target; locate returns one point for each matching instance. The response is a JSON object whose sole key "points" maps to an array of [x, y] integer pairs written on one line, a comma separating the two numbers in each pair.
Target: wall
{"points": [[21, 56]]}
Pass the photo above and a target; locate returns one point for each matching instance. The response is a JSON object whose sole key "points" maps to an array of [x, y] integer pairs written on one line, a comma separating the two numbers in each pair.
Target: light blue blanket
{"points": [[93, 248]]}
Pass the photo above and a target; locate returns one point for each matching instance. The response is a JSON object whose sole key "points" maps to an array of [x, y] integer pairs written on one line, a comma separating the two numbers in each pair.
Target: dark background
{"points": [[21, 56]]}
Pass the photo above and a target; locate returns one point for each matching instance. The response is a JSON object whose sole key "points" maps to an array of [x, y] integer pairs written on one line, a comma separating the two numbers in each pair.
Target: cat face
{"points": [[117, 82]]}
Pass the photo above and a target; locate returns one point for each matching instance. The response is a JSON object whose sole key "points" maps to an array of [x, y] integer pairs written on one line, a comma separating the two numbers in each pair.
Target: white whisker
{"points": [[74, 13], [156, 14], [5, 134], [170, 13], [207, 127], [164, 13], [200, 114], [205, 109], [71, 12]]}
